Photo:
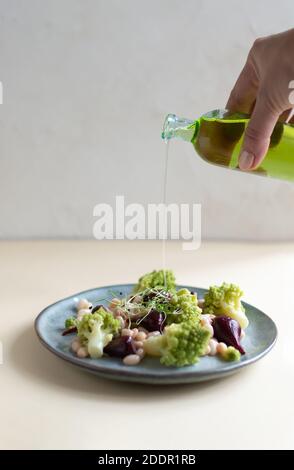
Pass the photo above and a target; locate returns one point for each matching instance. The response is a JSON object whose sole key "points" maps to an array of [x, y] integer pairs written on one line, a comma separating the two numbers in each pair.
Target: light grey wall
{"points": [[86, 87]]}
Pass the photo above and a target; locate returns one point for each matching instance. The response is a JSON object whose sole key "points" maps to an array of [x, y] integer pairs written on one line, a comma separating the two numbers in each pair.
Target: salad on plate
{"points": [[160, 320]]}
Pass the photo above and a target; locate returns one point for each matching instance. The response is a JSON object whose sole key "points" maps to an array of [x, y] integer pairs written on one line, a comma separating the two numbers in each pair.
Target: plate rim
{"points": [[148, 375]]}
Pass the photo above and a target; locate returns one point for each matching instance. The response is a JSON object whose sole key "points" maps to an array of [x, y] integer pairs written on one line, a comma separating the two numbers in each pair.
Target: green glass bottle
{"points": [[218, 135]]}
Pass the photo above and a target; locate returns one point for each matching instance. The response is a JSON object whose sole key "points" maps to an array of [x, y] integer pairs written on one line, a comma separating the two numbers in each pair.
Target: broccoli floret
{"points": [[226, 300], [163, 279], [231, 354], [185, 307], [70, 322], [180, 345], [96, 331]]}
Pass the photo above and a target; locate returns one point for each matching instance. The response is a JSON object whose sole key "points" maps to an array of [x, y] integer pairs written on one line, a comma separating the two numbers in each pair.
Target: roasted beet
{"points": [[228, 331], [69, 331], [94, 309], [154, 321], [120, 347]]}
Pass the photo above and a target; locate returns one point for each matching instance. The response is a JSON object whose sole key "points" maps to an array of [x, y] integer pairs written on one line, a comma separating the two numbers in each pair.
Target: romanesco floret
{"points": [[180, 345], [231, 354], [185, 307], [70, 322], [96, 331], [163, 279], [226, 300]]}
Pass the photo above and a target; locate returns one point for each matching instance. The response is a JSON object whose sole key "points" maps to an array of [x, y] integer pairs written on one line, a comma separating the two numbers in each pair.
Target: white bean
{"points": [[204, 321], [135, 332], [114, 303], [221, 348], [141, 352], [141, 336], [143, 329], [126, 332], [213, 347], [82, 352], [75, 345], [206, 317], [131, 360], [138, 344], [83, 303]]}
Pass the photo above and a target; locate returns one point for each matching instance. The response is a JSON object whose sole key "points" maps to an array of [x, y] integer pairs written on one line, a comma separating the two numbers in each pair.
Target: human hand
{"points": [[263, 90]]}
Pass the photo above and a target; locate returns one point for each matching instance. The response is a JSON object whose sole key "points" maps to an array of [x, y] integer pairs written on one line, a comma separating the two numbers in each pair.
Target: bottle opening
{"points": [[179, 128]]}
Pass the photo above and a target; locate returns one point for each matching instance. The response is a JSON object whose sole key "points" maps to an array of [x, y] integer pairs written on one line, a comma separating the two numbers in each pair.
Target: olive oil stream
{"points": [[164, 198]]}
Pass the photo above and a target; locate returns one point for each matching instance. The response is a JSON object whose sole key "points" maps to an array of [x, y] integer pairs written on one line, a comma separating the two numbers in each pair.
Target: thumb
{"points": [[257, 135]]}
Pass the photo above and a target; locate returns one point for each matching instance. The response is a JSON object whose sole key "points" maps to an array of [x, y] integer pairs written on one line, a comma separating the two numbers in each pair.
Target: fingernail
{"points": [[246, 160]]}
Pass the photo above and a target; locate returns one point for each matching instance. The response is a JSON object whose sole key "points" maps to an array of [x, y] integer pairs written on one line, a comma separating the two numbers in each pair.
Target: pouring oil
{"points": [[218, 135], [164, 199]]}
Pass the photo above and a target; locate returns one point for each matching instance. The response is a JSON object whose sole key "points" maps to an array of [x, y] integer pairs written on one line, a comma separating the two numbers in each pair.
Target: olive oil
{"points": [[218, 135], [164, 201]]}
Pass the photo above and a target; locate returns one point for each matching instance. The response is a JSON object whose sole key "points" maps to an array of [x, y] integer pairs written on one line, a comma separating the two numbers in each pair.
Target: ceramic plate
{"points": [[260, 338]]}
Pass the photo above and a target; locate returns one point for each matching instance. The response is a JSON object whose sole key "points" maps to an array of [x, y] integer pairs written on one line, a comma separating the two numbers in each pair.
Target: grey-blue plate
{"points": [[260, 337]]}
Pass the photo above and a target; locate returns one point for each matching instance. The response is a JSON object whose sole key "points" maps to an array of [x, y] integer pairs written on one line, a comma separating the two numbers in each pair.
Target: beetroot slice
{"points": [[228, 331]]}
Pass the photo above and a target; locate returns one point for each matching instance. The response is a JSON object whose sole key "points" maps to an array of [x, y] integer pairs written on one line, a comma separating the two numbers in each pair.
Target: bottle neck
{"points": [[179, 128]]}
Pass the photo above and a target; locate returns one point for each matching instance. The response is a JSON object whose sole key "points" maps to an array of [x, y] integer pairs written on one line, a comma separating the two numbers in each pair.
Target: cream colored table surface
{"points": [[47, 403]]}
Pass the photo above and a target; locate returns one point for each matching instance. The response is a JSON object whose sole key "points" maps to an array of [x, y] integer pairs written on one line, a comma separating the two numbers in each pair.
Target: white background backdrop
{"points": [[86, 87]]}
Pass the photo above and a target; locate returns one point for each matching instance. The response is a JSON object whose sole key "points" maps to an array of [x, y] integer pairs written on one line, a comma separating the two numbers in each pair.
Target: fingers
{"points": [[243, 95], [257, 135]]}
